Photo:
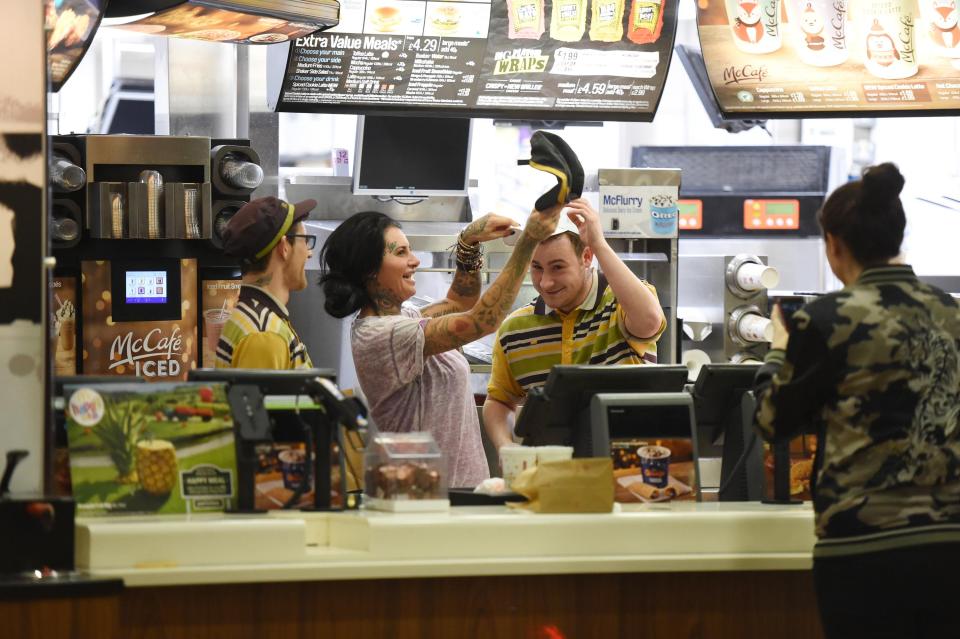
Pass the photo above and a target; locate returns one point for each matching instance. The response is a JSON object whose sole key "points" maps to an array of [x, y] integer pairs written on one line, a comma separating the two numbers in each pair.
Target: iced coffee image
{"points": [[819, 31], [65, 328], [755, 25]]}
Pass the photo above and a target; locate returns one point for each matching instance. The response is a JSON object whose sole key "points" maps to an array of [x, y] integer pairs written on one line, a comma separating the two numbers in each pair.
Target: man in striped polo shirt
{"points": [[582, 316], [268, 236]]}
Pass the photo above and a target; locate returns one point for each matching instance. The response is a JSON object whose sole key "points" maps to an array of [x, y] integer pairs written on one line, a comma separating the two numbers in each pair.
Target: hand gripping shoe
{"points": [[548, 152]]}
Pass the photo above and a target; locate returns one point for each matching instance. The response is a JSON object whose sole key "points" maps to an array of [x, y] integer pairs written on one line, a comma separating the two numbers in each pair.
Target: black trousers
{"points": [[904, 593]]}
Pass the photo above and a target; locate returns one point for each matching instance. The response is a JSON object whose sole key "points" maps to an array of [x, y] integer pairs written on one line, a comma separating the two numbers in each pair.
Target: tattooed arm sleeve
{"points": [[454, 330], [463, 294]]}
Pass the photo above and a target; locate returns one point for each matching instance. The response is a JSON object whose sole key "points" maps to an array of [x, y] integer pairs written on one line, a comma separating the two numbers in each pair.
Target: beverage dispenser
{"points": [[136, 229]]}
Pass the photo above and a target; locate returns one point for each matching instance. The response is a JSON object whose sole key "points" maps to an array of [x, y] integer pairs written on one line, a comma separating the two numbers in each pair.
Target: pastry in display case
{"points": [[405, 472]]}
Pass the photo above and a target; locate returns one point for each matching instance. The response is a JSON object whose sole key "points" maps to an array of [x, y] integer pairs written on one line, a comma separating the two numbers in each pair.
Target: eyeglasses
{"points": [[311, 240]]}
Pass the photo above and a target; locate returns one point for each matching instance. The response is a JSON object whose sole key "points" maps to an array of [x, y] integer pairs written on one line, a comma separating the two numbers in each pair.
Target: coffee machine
{"points": [[747, 229]]}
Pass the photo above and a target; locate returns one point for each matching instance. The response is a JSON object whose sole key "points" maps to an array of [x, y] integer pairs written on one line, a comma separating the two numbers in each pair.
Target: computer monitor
{"points": [[659, 430], [411, 156], [725, 425], [553, 413]]}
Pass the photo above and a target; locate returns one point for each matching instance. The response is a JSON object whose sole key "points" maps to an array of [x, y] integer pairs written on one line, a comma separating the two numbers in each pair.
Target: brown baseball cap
{"points": [[257, 227]]}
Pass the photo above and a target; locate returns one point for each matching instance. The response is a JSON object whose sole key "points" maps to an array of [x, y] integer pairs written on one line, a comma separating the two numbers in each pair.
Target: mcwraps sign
{"points": [[156, 354]]}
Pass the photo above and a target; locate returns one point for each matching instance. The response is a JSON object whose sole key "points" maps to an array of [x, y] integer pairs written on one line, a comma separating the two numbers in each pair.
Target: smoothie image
{"points": [[213, 321]]}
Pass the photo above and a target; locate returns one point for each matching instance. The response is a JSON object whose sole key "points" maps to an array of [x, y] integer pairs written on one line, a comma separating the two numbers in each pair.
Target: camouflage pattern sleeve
{"points": [[792, 386]]}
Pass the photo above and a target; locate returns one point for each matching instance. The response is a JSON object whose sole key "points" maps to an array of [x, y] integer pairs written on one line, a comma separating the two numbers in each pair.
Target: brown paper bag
{"points": [[583, 485]]}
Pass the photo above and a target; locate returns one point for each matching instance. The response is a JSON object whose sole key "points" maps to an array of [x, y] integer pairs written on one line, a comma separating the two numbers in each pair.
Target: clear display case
{"points": [[405, 472]]}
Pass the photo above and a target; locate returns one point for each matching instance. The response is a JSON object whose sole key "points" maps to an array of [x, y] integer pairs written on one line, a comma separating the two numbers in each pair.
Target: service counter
{"points": [[655, 570]]}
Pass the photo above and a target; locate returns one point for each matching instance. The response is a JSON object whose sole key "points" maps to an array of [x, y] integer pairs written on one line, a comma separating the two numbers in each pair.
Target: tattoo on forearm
{"points": [[453, 331], [466, 284], [473, 228]]}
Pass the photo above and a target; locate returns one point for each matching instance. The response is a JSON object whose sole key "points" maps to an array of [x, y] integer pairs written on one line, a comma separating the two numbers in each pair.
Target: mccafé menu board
{"points": [[575, 59], [832, 56]]}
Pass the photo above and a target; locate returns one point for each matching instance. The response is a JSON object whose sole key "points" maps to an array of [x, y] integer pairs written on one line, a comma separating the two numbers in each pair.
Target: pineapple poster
{"points": [[164, 448]]}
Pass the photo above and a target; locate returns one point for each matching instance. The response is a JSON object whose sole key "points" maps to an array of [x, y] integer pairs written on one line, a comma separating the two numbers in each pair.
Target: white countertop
{"points": [[467, 541]]}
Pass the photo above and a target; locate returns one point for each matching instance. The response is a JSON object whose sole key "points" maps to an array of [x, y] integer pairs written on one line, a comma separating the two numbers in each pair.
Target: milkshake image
{"points": [[755, 24], [940, 22], [819, 29], [890, 50]]}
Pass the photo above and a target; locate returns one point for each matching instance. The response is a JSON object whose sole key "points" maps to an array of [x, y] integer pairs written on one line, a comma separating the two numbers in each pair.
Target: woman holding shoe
{"points": [[406, 359]]}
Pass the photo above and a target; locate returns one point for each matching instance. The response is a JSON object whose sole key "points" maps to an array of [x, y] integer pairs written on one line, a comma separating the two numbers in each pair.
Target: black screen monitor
{"points": [[411, 156], [552, 414], [724, 411]]}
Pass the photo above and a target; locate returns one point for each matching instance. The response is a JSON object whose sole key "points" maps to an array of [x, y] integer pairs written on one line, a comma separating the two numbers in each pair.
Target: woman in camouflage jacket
{"points": [[875, 368]]}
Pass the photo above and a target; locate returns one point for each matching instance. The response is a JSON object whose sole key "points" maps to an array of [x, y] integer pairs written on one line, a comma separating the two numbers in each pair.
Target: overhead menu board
{"points": [[70, 26], [541, 59], [831, 56]]}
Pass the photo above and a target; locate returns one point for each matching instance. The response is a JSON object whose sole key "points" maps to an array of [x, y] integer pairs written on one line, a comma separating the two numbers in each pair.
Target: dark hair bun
{"points": [[881, 184], [342, 296]]}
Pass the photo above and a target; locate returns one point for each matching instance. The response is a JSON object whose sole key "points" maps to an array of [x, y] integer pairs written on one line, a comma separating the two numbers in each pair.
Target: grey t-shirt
{"points": [[410, 392]]}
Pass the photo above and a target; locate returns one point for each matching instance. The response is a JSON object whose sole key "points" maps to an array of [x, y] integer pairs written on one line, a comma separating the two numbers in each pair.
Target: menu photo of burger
{"points": [[394, 18], [457, 19]]}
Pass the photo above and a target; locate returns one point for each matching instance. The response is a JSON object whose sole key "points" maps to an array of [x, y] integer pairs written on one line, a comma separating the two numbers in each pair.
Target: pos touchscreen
{"points": [[552, 414]]}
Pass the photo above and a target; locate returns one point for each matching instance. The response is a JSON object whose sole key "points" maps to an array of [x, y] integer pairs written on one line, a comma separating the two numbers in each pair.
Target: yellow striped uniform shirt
{"points": [[535, 338]]}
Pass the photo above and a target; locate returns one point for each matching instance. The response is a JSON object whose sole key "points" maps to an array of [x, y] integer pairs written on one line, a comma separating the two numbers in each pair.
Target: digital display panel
{"points": [[516, 59], [797, 57], [146, 287]]}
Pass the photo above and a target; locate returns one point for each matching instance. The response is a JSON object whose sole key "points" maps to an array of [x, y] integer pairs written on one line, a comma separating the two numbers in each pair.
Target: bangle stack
{"points": [[469, 256]]}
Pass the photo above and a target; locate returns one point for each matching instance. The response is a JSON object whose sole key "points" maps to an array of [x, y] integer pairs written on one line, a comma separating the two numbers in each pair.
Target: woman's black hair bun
{"points": [[342, 297], [881, 183]]}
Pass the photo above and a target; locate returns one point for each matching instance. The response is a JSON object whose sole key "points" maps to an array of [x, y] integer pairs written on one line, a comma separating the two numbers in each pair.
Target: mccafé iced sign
{"points": [[163, 350], [156, 354]]}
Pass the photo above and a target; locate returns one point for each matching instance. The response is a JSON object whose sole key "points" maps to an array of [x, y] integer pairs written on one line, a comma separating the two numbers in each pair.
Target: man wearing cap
{"points": [[582, 316], [268, 236]]}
